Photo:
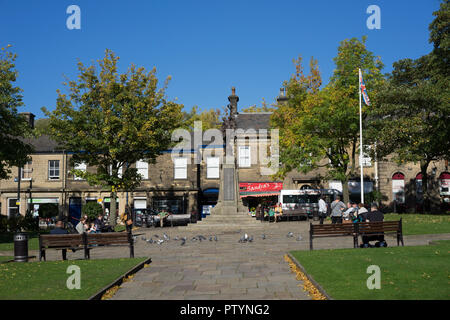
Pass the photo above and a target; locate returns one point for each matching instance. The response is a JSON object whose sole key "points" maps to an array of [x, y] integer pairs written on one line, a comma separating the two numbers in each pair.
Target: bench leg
{"points": [[64, 254]]}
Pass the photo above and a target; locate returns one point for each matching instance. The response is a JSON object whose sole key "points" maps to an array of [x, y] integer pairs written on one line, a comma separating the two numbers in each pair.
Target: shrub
{"points": [[92, 210]]}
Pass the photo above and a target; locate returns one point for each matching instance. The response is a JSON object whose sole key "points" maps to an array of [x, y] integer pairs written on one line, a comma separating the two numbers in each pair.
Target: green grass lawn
{"points": [[421, 272], [421, 223], [47, 280]]}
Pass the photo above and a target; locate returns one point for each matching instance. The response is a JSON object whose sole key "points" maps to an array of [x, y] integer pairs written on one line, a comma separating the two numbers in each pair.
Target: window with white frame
{"points": [[53, 170], [142, 168], [244, 156], [79, 166], [212, 168], [180, 168], [27, 170]]}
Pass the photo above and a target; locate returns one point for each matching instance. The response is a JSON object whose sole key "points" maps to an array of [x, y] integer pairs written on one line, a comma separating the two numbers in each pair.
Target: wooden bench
{"points": [[60, 242], [85, 241], [355, 230], [299, 213], [381, 228], [332, 230], [94, 240]]}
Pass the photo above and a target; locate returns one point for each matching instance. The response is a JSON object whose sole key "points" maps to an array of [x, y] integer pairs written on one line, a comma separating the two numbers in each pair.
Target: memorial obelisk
{"points": [[229, 201]]}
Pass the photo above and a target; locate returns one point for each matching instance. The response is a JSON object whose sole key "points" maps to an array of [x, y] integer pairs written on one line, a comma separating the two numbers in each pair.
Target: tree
{"points": [[320, 128], [264, 107], [111, 121], [411, 118], [14, 150], [210, 118], [92, 210]]}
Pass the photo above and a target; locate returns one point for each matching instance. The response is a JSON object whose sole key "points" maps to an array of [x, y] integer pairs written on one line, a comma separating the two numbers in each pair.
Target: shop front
{"points": [[255, 193], [47, 209]]}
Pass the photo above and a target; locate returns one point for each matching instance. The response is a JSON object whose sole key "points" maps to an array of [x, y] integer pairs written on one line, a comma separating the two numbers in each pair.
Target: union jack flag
{"points": [[362, 87]]}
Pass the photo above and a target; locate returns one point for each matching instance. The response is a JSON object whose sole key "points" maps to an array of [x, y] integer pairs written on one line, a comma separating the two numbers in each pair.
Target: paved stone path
{"points": [[225, 269]]}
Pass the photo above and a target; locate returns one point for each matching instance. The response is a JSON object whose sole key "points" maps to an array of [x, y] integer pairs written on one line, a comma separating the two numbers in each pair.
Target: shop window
{"points": [[13, 208], [398, 187], [53, 170], [444, 184]]}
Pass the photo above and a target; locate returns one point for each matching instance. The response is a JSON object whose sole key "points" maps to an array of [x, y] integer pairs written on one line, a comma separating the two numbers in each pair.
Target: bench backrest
{"points": [[379, 226], [61, 240], [332, 229], [107, 238]]}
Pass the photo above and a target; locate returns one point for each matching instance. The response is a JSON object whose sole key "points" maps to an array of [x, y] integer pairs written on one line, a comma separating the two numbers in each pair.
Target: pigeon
{"points": [[250, 239], [210, 238], [299, 238], [263, 236], [243, 239], [290, 235], [194, 239], [166, 237], [143, 238], [183, 241], [201, 237], [156, 236], [160, 241], [215, 238], [176, 238]]}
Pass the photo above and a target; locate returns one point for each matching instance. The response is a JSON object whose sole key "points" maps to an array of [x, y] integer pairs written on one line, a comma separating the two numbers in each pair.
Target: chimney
{"points": [[29, 118], [281, 99], [233, 98]]}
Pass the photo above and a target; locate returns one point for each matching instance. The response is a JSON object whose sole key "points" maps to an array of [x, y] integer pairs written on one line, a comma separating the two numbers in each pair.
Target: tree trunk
{"points": [[426, 195], [113, 209], [345, 193]]}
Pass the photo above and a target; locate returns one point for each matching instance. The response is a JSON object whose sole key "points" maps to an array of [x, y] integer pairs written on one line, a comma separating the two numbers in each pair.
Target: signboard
{"points": [[42, 200], [260, 187]]}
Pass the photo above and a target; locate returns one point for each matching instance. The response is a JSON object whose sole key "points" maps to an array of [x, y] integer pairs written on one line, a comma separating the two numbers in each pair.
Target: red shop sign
{"points": [[260, 186]]}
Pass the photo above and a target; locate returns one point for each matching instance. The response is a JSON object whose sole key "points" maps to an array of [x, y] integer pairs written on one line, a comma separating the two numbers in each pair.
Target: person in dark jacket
{"points": [[373, 216], [59, 228]]}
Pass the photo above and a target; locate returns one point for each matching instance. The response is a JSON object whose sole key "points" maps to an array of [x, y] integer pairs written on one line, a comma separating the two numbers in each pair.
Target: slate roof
{"points": [[43, 144], [253, 120]]}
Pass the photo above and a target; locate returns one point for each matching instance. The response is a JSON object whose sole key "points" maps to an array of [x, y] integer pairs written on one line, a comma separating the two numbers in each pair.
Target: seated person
{"points": [[351, 211], [82, 225], [99, 223], [59, 228], [373, 216], [278, 211], [271, 212], [162, 216]]}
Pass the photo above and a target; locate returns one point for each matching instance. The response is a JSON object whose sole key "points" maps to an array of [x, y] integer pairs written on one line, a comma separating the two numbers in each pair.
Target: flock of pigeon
{"points": [[165, 238]]}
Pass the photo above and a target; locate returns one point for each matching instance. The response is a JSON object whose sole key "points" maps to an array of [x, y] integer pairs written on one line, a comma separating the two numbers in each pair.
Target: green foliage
{"points": [[92, 210], [410, 118], [320, 127], [111, 121], [264, 107], [13, 127], [210, 118], [20, 223]]}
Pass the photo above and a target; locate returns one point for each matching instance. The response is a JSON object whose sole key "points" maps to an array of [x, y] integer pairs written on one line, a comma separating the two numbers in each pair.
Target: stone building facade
{"points": [[190, 185]]}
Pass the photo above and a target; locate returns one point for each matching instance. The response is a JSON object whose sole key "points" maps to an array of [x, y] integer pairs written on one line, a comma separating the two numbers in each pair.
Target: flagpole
{"points": [[360, 140]]}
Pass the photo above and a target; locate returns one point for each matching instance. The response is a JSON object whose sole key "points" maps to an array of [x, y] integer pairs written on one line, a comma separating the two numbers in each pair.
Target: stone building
{"points": [[191, 183]]}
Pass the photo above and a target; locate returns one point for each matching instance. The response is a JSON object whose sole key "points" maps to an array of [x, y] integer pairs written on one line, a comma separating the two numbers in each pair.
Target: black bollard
{"points": [[20, 247]]}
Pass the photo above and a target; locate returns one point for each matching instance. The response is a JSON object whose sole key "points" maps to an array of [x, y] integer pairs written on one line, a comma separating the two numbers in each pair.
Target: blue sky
{"points": [[206, 46]]}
